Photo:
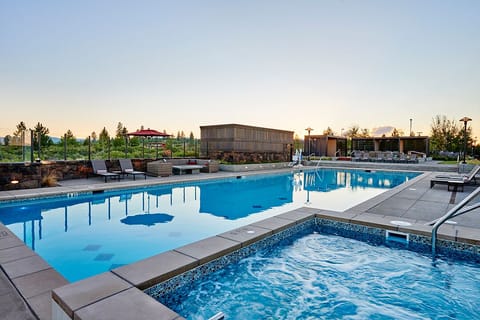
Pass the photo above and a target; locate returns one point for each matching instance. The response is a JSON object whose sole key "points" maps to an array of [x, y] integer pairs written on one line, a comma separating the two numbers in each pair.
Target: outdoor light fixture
{"points": [[465, 120], [309, 130]]}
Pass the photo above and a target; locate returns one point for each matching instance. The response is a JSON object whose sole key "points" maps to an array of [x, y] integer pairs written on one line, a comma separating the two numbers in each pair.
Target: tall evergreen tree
{"points": [[121, 131], [21, 127], [45, 140], [104, 137], [71, 140]]}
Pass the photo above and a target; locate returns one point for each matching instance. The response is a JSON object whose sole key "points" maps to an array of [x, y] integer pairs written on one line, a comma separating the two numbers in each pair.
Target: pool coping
{"points": [[125, 284]]}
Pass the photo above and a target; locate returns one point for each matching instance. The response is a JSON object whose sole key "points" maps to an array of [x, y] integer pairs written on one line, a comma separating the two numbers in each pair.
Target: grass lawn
{"points": [[472, 161]]}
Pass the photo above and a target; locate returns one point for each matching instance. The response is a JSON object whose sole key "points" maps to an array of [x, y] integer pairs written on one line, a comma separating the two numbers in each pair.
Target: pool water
{"points": [[322, 276], [84, 235]]}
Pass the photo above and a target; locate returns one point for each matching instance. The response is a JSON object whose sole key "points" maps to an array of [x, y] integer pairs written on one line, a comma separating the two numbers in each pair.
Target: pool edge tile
{"points": [[147, 272], [274, 223], [246, 235], [79, 294], [128, 304], [209, 249], [299, 215]]}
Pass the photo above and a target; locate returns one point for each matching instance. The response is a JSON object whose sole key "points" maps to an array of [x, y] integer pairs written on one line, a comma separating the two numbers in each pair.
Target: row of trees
{"points": [[445, 134], [39, 130], [101, 145], [356, 132]]}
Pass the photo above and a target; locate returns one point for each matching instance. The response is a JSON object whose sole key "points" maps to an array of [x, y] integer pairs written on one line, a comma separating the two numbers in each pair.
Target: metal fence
{"points": [[26, 149]]}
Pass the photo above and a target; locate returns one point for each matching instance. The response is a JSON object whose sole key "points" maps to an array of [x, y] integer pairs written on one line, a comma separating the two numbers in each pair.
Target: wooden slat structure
{"points": [[241, 143]]}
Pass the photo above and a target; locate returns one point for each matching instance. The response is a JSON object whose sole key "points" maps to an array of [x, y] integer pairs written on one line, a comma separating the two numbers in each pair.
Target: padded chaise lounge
{"points": [[100, 169], [127, 168], [456, 180]]}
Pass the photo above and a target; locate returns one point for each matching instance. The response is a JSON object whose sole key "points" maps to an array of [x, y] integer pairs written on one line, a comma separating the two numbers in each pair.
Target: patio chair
{"points": [[127, 168], [470, 176], [456, 181], [100, 169]]}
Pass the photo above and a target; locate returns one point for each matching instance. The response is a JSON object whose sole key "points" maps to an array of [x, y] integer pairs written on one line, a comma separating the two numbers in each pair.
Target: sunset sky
{"points": [[177, 65]]}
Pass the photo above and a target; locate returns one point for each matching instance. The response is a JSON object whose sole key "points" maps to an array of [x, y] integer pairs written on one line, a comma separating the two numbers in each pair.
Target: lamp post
{"points": [[465, 120], [309, 130], [473, 146]]}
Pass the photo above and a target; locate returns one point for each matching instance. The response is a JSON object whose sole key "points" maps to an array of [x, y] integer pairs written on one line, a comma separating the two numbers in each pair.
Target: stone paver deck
{"points": [[26, 282]]}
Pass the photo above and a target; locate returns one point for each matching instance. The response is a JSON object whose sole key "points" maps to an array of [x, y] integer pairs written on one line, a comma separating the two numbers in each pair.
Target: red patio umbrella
{"points": [[148, 133]]}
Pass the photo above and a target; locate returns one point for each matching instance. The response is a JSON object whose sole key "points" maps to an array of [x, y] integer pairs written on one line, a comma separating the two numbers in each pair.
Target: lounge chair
{"points": [[475, 170], [470, 176], [456, 180], [100, 169], [127, 168]]}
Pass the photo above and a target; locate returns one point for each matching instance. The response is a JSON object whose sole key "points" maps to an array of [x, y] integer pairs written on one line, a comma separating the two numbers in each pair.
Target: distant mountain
{"points": [[54, 140]]}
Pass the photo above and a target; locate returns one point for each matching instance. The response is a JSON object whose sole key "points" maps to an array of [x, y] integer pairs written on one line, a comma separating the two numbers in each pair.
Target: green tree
{"points": [[19, 134], [104, 137], [45, 140], [447, 135], [365, 133], [21, 127], [120, 135], [397, 133], [121, 131], [328, 132], [353, 131], [93, 136], [7, 139], [71, 140], [297, 142]]}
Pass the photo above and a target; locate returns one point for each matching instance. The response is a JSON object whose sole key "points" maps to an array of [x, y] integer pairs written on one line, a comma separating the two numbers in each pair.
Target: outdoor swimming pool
{"points": [[84, 235], [318, 276]]}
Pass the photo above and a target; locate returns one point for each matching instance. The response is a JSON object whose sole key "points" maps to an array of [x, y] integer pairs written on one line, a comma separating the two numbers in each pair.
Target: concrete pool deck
{"points": [[26, 281]]}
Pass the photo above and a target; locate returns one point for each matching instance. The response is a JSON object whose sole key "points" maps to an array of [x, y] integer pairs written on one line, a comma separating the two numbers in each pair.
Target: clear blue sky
{"points": [[177, 65]]}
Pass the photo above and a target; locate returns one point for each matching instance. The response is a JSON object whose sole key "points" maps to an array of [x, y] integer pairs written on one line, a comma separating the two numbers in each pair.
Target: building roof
{"points": [[235, 125]]}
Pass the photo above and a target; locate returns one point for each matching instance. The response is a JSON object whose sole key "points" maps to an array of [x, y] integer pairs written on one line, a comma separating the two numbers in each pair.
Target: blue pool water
{"points": [[330, 277], [84, 235]]}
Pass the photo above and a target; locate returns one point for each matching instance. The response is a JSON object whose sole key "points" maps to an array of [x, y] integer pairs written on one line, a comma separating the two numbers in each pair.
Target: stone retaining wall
{"points": [[38, 174], [28, 175]]}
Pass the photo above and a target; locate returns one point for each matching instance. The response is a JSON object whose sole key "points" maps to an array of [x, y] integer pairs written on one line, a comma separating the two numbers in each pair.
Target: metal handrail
{"points": [[459, 209]]}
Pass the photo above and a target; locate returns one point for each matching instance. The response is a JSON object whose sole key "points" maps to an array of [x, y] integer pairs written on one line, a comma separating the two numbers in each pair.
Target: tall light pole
{"points": [[465, 120], [473, 146], [410, 132], [309, 130]]}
